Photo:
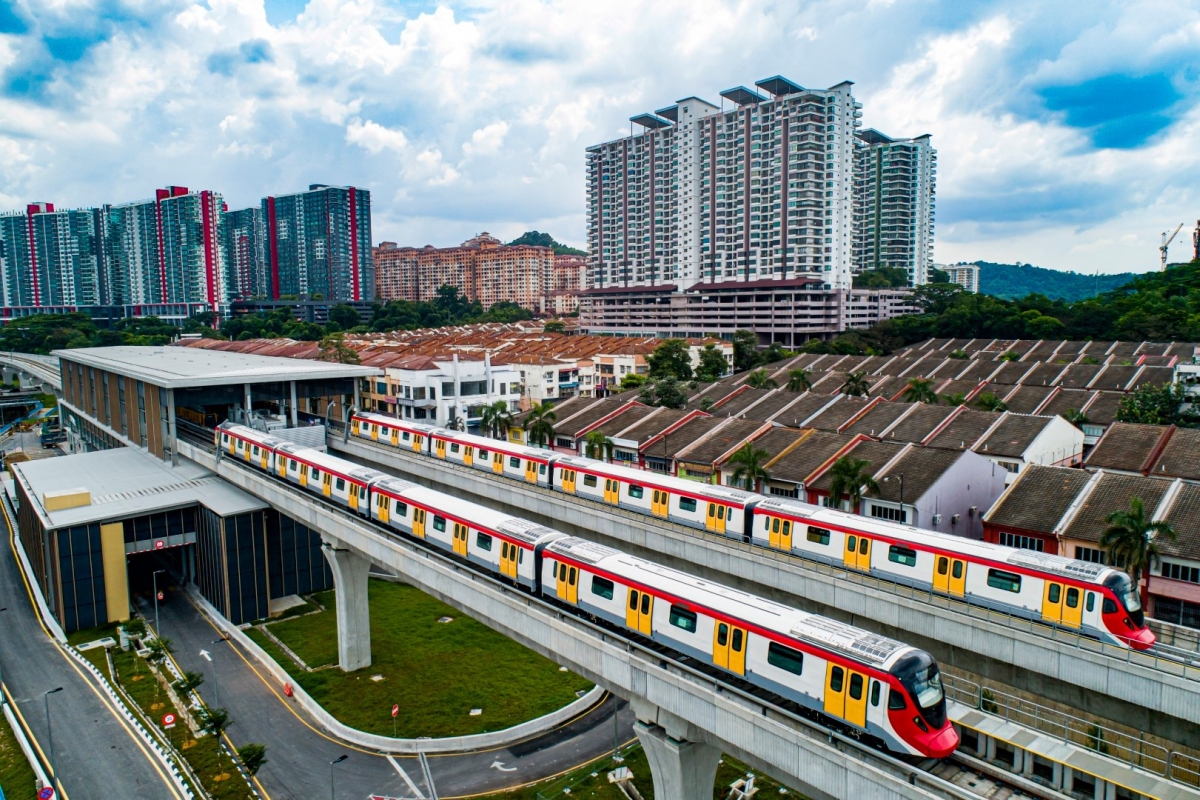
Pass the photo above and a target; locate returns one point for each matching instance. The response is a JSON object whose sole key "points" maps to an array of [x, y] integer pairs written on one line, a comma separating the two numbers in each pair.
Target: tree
{"points": [[760, 379], [671, 359], [597, 445], [1076, 418], [539, 239], [539, 424], [495, 419], [775, 352], [667, 393], [159, 649], [1156, 405], [457, 423], [799, 380], [1010, 356], [334, 348], [920, 390], [253, 756], [956, 399], [705, 404], [745, 350], [631, 381], [554, 326], [1131, 539], [345, 316], [881, 278], [712, 364], [850, 481], [959, 354], [988, 401], [856, 384], [190, 682], [214, 721], [748, 469]]}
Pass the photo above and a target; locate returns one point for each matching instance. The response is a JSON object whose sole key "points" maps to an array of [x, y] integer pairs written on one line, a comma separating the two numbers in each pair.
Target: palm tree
{"points": [[748, 469], [1076, 418], [760, 379], [956, 399], [457, 424], [798, 380], [495, 419], [851, 481], [597, 445], [539, 424], [989, 402], [856, 384], [1010, 356], [1131, 539], [920, 390]]}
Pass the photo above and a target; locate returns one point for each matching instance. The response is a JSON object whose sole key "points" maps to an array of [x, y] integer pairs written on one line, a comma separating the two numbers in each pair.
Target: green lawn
{"points": [[584, 785], [436, 672], [16, 776]]}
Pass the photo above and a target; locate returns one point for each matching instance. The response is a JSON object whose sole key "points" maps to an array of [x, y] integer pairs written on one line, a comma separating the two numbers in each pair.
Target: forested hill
{"points": [[1012, 281]]}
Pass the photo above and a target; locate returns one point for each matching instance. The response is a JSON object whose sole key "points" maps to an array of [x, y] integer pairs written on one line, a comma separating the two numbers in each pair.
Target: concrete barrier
{"points": [[386, 744]]}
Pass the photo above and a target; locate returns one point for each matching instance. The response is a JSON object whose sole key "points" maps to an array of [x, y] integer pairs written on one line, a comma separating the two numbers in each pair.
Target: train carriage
{"points": [[341, 481], [526, 464], [398, 433], [247, 444]]}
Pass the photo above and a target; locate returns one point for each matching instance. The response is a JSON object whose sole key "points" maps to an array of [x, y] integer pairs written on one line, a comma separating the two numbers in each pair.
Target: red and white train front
{"points": [[1124, 617], [922, 720]]}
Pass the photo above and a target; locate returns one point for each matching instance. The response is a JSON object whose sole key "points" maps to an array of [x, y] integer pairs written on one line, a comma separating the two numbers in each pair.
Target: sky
{"points": [[1067, 132]]}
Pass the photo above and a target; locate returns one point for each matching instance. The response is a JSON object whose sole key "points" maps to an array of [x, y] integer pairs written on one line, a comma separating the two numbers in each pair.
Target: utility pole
{"points": [[55, 782]]}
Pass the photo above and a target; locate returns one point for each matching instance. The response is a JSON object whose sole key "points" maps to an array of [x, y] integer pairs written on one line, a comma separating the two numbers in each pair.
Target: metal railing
{"points": [[1168, 659], [1124, 747]]}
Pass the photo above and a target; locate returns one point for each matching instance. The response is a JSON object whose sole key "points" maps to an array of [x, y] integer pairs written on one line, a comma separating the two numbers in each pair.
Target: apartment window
{"points": [[1180, 572], [1010, 466], [1092, 554], [141, 401], [1022, 542], [889, 513], [779, 491]]}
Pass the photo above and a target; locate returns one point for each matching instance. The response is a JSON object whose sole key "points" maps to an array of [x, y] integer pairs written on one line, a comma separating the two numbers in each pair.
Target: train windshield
{"points": [[918, 673], [1120, 585]]}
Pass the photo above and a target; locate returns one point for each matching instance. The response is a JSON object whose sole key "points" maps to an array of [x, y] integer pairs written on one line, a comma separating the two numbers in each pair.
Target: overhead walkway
{"points": [[1143, 690], [686, 717], [42, 368]]}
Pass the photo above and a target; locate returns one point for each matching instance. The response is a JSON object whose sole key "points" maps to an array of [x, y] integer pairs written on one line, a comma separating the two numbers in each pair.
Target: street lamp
{"points": [[216, 679], [337, 760], [900, 480], [50, 736], [154, 577]]}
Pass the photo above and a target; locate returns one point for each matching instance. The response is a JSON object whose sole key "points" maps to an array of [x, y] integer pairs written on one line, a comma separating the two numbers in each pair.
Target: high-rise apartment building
{"points": [[318, 242], [244, 242], [568, 277], [49, 257], [965, 275], [483, 269], [894, 204]]}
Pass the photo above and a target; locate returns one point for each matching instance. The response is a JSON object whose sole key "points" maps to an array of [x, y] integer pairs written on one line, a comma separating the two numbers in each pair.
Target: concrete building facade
{"points": [[244, 243], [894, 182], [318, 242], [965, 275]]}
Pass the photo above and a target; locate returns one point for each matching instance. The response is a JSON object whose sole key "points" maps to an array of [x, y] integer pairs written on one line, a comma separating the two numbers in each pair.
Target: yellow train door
{"points": [[327, 484], [856, 699], [780, 529], [531, 468], [567, 582], [304, 475], [612, 491], [835, 690], [497, 463], [374, 429], [508, 559], [864, 553], [419, 522], [1072, 610], [941, 575], [382, 507], [710, 519], [460, 538], [572, 586], [440, 447], [639, 610], [958, 577], [418, 440], [568, 481], [659, 503], [354, 426], [468, 455], [352, 494], [281, 463], [1052, 602], [729, 648]]}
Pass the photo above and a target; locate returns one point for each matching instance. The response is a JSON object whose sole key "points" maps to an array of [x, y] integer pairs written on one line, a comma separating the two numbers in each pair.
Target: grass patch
{"points": [[435, 672], [583, 784], [16, 776], [85, 635], [281, 658]]}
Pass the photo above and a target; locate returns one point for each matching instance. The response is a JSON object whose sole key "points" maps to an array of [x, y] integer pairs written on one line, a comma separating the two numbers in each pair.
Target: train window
{"points": [[775, 525], [1091, 601], [902, 555], [383, 431], [483, 541], [722, 634], [225, 438], [896, 701], [687, 504], [513, 461], [736, 644], [856, 686], [1055, 593], [787, 527], [636, 492], [1009, 582], [785, 658], [1072, 598], [1109, 607], [589, 480], [483, 454], [341, 484], [401, 509], [720, 512], [836, 676], [957, 572], [454, 448], [875, 693], [542, 469], [602, 587], [520, 555], [571, 579], [851, 544], [633, 599], [316, 474], [254, 450], [555, 570], [943, 565], [439, 523], [818, 535], [682, 618]]}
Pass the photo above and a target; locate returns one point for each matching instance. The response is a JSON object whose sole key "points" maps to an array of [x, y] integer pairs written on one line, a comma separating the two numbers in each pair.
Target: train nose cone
{"points": [[1142, 640], [944, 743]]}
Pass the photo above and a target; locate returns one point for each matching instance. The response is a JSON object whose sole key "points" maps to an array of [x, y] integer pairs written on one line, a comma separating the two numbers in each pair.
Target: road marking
{"points": [[498, 764], [407, 779], [204, 654]]}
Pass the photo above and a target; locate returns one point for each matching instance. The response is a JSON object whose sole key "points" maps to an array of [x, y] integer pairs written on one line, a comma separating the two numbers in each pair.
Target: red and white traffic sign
{"points": [[159, 544], [395, 711], [168, 720], [160, 595]]}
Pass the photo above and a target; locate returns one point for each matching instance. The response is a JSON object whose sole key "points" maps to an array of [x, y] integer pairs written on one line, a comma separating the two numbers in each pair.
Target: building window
{"points": [[1010, 466], [1179, 612], [779, 491], [889, 513], [141, 401], [121, 398], [1180, 572], [1091, 554], [1022, 542]]}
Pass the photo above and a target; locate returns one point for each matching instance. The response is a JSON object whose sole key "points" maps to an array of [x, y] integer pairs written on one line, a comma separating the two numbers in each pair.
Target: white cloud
{"points": [[486, 140]]}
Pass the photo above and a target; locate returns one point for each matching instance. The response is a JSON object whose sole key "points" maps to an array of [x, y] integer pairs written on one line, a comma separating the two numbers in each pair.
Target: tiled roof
{"points": [[836, 415], [712, 447], [919, 423], [1038, 498], [1026, 399], [1010, 373], [1103, 410], [1126, 446], [817, 448], [1156, 375], [1184, 517], [964, 430], [569, 426], [874, 421], [628, 417], [1078, 376], [1181, 456], [957, 387], [976, 370], [777, 439], [921, 467], [736, 404], [1112, 493], [767, 407], [1115, 378], [1124, 348], [829, 382], [802, 408], [889, 387], [651, 426], [683, 436], [876, 454], [561, 411], [1043, 374], [1066, 400], [1013, 435]]}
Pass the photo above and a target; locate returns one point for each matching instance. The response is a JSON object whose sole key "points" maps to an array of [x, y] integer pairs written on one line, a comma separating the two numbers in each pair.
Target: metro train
{"points": [[1093, 599], [878, 689]]}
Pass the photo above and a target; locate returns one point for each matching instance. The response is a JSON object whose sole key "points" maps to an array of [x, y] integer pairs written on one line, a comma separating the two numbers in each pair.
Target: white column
{"points": [[292, 385], [353, 613], [681, 770]]}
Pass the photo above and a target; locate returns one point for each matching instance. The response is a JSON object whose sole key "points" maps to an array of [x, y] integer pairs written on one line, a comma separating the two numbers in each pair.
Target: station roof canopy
{"points": [[126, 482], [187, 367], [779, 86], [742, 96], [650, 121]]}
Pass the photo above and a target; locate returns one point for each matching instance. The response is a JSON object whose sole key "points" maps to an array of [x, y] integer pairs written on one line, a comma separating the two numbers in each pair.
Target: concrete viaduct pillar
{"points": [[682, 765], [353, 614]]}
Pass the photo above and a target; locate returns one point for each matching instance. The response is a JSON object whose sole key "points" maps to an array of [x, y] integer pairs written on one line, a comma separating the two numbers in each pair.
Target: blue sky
{"points": [[1066, 131]]}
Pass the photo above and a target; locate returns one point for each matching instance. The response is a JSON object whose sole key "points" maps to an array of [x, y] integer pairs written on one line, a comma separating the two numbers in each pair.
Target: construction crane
{"points": [[1166, 242]]}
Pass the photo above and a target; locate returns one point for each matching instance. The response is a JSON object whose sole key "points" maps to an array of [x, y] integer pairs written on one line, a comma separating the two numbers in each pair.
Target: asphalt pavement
{"points": [[299, 752], [97, 756]]}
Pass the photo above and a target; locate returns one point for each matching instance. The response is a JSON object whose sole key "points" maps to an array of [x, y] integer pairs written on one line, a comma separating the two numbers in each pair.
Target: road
{"points": [[299, 752], [97, 756]]}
